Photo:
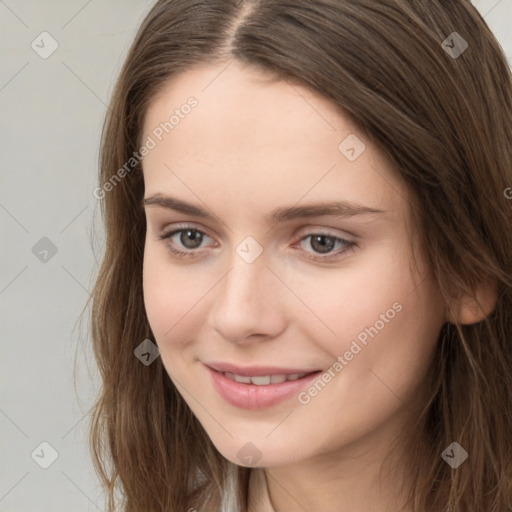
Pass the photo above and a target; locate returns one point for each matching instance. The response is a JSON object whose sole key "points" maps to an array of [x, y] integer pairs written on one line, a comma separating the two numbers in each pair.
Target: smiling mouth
{"points": [[259, 375], [261, 389], [264, 380]]}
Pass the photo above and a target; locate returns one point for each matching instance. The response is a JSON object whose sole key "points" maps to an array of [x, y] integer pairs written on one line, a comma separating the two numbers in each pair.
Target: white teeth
{"points": [[240, 378], [263, 380]]}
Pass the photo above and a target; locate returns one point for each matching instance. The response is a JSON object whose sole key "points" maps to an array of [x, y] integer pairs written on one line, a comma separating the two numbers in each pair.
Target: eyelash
{"points": [[348, 245]]}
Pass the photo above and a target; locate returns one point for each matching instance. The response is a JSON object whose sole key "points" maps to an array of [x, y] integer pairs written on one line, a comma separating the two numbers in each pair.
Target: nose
{"points": [[249, 302]]}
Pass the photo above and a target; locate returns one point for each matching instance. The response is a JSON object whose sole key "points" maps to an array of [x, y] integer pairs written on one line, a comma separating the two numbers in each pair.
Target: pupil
{"points": [[322, 243], [193, 235]]}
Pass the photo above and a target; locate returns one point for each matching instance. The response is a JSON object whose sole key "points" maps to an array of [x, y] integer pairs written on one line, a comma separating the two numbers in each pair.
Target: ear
{"points": [[470, 309]]}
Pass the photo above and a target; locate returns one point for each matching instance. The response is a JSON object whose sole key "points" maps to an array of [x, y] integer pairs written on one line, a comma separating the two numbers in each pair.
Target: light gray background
{"points": [[52, 112]]}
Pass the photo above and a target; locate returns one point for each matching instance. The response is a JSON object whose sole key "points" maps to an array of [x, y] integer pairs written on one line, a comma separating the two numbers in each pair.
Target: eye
{"points": [[184, 242], [325, 243], [188, 238]]}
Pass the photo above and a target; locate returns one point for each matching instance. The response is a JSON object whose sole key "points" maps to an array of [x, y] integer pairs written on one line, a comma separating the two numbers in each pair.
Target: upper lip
{"points": [[253, 371]]}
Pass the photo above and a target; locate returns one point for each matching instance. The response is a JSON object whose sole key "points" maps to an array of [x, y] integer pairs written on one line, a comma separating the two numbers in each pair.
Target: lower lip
{"points": [[251, 396]]}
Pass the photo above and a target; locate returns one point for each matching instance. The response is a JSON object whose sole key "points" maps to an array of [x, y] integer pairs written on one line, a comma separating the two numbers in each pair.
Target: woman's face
{"points": [[278, 280]]}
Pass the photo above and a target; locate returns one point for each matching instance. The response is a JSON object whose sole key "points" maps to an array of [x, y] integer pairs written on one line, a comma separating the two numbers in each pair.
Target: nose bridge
{"points": [[243, 282], [245, 302]]}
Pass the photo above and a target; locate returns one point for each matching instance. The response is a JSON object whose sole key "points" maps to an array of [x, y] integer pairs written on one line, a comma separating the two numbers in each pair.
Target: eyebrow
{"points": [[282, 214]]}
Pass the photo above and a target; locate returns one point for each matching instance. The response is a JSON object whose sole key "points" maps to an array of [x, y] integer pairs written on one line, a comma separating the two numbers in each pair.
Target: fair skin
{"points": [[250, 146]]}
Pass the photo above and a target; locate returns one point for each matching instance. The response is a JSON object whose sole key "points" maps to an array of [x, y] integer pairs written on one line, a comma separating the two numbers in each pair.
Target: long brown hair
{"points": [[445, 121]]}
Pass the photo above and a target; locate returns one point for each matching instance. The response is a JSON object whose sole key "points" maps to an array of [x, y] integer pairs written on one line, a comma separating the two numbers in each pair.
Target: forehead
{"points": [[250, 131], [244, 102]]}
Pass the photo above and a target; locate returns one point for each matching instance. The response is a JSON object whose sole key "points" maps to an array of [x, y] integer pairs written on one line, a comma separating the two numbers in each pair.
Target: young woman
{"points": [[305, 298]]}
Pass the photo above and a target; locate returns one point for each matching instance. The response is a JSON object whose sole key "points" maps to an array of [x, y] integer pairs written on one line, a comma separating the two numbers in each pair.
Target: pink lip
{"points": [[252, 371], [251, 396]]}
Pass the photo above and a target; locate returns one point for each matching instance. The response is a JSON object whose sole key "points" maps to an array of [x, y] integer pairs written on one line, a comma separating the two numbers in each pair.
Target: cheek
{"points": [[352, 298], [174, 299], [381, 319], [386, 347], [159, 293]]}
